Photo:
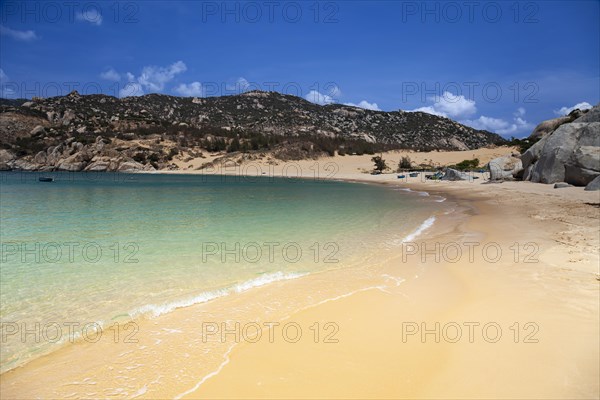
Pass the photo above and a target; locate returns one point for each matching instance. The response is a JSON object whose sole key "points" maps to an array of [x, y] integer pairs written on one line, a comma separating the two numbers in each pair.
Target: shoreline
{"points": [[475, 206], [437, 382], [149, 311]]}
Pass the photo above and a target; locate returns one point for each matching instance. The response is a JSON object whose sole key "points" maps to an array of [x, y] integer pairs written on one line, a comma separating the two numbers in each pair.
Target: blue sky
{"points": [[497, 65]]}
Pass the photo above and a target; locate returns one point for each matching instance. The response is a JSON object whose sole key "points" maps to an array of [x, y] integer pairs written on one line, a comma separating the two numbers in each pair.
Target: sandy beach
{"points": [[498, 299], [300, 200], [557, 233]]}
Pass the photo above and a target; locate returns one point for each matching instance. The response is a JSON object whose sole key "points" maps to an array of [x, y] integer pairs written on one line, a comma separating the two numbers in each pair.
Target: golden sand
{"points": [[528, 322]]}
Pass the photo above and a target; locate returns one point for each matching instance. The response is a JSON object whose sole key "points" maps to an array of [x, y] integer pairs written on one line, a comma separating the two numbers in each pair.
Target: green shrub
{"points": [[380, 164], [466, 164], [405, 163], [522, 144], [234, 146]]}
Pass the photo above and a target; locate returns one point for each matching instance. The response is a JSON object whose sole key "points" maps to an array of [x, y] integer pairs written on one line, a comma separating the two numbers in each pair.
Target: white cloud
{"points": [[450, 105], [25, 36], [333, 93], [5, 91], [193, 89], [240, 86], [487, 123], [318, 98], [111, 75], [430, 110], [91, 15], [566, 110], [131, 89], [154, 78], [500, 126], [455, 106], [366, 105]]}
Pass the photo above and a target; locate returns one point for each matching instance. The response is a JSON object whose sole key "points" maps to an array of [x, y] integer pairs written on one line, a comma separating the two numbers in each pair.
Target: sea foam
{"points": [[428, 223], [155, 310]]}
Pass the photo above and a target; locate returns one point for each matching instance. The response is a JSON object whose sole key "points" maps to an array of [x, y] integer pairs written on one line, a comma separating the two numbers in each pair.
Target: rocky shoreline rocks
{"points": [[567, 151]]}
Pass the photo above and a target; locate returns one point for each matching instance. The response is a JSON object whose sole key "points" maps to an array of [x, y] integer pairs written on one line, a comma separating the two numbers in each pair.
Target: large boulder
{"points": [[101, 164], [591, 115], [6, 158], [584, 165], [74, 163], [505, 168], [547, 127], [570, 154], [54, 154], [130, 166], [551, 125], [98, 145], [23, 164], [594, 185], [67, 117], [454, 175], [38, 130], [40, 158], [76, 146]]}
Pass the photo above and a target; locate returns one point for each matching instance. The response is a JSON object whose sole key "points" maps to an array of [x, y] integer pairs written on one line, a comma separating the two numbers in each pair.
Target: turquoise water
{"points": [[93, 248]]}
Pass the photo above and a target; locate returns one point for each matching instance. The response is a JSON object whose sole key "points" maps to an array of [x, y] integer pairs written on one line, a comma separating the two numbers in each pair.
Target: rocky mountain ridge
{"points": [[73, 132]]}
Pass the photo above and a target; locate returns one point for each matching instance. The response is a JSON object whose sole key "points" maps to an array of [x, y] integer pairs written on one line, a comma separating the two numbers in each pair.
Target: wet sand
{"points": [[534, 330]]}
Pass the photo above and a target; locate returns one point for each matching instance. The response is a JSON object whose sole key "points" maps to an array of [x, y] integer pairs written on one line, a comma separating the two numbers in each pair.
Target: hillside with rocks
{"points": [[104, 133]]}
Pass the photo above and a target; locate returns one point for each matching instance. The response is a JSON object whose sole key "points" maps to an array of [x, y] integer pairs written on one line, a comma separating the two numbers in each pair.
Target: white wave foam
{"points": [[226, 360], [414, 234], [396, 280], [266, 279], [155, 310], [428, 223], [422, 194]]}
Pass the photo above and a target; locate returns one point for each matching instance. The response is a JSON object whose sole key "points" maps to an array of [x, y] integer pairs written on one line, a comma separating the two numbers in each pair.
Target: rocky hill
{"points": [[146, 132]]}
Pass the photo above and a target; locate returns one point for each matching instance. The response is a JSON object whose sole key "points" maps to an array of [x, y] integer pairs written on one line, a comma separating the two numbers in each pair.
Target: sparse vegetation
{"points": [[234, 145], [380, 164], [172, 153], [404, 164], [522, 144], [466, 165]]}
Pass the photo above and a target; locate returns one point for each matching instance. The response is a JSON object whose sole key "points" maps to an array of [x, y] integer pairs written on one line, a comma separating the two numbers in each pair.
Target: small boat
{"points": [[413, 174], [435, 177], [401, 176], [45, 179]]}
